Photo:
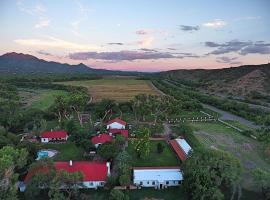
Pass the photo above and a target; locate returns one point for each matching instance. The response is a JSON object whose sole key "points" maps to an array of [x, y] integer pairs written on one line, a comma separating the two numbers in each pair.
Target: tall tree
{"points": [[206, 171], [78, 102], [142, 142], [10, 159]]}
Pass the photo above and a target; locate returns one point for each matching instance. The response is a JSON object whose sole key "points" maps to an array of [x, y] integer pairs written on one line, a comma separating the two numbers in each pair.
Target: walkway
{"points": [[228, 116]]}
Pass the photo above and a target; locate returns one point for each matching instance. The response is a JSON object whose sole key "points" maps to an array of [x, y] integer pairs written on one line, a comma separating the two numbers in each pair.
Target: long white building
{"points": [[157, 177]]}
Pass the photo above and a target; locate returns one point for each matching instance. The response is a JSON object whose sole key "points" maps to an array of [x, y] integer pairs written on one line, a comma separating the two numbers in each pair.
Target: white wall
{"points": [[93, 184], [149, 183], [44, 140], [115, 125]]}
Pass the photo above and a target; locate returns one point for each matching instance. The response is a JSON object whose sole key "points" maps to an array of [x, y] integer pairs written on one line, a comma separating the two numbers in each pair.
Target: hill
{"points": [[242, 81], [18, 63]]}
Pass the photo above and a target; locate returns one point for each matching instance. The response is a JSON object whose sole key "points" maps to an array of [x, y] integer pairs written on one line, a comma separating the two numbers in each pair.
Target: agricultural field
{"points": [[39, 98], [118, 89], [166, 158], [249, 151]]}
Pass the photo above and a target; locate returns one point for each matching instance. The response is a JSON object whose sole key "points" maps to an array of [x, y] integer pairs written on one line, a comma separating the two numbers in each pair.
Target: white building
{"points": [[116, 123], [157, 177], [54, 136]]}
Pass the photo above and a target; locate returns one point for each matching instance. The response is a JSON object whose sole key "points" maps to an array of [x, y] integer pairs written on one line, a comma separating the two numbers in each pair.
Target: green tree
{"points": [[71, 182], [10, 159], [77, 102], [124, 179], [108, 150], [118, 195], [142, 142], [54, 192], [45, 172], [122, 160], [206, 171]]}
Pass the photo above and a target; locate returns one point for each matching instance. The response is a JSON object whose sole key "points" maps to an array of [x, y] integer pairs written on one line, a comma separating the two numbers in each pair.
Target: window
{"points": [[179, 182], [91, 183], [167, 182], [153, 182], [141, 183], [147, 182]]}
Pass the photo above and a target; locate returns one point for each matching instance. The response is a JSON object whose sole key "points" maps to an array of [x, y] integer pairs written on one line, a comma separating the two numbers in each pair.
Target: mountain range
{"points": [[19, 63], [241, 81]]}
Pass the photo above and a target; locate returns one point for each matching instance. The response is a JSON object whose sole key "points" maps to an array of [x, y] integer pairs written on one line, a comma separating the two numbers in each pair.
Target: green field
{"points": [[118, 89], [238, 125], [67, 151], [166, 158], [249, 151], [39, 98]]}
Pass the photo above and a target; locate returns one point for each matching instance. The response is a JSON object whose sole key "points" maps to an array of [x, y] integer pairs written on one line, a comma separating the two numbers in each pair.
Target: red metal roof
{"points": [[118, 120], [123, 132], [101, 138], [180, 152], [92, 171], [54, 134]]}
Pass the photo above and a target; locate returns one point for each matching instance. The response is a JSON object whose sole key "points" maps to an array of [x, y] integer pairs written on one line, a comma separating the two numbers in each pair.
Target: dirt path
{"points": [[156, 89], [228, 116], [167, 131]]}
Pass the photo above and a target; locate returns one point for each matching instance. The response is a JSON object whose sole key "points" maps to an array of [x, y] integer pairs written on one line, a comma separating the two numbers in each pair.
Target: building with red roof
{"points": [[181, 148], [54, 136], [122, 132], [100, 139], [116, 123], [94, 173]]}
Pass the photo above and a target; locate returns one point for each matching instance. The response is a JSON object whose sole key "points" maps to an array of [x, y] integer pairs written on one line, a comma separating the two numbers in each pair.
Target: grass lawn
{"points": [[67, 151], [39, 98], [247, 150], [238, 124], [119, 89], [166, 158]]}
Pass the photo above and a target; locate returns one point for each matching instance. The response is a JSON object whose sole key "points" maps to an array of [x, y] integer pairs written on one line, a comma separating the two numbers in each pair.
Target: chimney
{"points": [[70, 163], [108, 164]]}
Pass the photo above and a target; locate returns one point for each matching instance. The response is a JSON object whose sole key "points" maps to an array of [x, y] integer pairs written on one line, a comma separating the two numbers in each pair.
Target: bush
{"points": [[160, 148], [118, 195]]}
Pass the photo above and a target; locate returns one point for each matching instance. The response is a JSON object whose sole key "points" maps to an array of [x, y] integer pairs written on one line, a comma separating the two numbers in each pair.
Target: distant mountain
{"points": [[18, 63], [241, 81]]}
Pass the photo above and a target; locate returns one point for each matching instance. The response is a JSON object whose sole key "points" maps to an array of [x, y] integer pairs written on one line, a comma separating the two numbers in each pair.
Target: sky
{"points": [[152, 35]]}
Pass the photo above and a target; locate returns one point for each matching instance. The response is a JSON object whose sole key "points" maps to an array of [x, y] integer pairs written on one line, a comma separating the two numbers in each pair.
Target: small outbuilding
{"points": [[116, 123], [181, 148], [100, 139], [157, 177]]}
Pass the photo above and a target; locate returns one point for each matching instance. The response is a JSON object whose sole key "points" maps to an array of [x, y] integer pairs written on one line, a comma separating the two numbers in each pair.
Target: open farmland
{"points": [[249, 151], [118, 89], [39, 98]]}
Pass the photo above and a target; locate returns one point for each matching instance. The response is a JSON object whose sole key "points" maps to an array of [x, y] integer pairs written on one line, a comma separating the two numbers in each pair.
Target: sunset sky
{"points": [[141, 35]]}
